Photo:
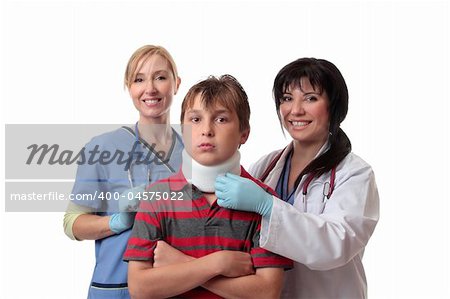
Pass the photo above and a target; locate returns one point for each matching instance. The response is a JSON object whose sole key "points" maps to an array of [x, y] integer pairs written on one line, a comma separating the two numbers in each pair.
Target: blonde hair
{"points": [[143, 53]]}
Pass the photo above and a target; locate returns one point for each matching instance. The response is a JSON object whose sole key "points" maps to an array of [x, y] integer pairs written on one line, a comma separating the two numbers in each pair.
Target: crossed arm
{"points": [[228, 274]]}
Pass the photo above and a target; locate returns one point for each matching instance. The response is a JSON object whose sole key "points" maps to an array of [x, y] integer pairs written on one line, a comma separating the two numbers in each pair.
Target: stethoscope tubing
{"points": [[328, 187]]}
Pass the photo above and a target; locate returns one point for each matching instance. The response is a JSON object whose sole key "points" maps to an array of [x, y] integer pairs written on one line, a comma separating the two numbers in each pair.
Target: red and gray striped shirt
{"points": [[179, 214]]}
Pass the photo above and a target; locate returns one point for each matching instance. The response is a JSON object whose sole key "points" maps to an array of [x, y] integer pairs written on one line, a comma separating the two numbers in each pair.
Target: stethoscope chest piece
{"points": [[328, 188]]}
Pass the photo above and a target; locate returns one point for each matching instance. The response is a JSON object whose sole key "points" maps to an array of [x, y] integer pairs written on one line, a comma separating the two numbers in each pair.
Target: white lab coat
{"points": [[327, 248]]}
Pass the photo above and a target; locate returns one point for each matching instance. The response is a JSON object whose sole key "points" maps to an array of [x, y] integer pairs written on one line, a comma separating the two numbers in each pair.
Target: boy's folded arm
{"points": [[173, 279], [265, 283]]}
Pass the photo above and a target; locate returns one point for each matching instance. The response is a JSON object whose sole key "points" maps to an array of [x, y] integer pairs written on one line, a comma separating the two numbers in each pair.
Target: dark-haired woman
{"points": [[328, 206]]}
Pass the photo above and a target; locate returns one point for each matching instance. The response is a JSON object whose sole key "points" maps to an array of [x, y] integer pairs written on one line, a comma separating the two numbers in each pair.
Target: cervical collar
{"points": [[203, 177]]}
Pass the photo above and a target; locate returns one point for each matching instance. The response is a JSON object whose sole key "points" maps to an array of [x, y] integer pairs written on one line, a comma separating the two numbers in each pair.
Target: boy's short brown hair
{"points": [[226, 91]]}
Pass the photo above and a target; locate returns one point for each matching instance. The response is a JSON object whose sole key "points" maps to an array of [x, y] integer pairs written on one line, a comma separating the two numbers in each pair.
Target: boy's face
{"points": [[214, 136]]}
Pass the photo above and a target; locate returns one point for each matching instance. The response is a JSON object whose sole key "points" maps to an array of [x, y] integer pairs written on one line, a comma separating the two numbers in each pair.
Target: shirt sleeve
{"points": [[89, 182], [145, 234], [72, 213], [263, 258]]}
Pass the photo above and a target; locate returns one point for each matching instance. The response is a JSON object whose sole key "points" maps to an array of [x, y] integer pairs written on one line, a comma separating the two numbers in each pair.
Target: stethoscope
{"points": [[133, 168], [328, 187]]}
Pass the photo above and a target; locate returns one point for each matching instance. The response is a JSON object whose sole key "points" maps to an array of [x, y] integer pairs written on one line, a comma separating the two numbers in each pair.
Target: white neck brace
{"points": [[203, 177]]}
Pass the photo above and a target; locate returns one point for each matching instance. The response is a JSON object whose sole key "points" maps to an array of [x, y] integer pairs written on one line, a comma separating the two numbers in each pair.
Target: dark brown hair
{"points": [[323, 76]]}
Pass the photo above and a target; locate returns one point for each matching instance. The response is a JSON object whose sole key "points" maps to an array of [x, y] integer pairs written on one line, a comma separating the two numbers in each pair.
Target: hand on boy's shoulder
{"points": [[247, 175], [243, 193]]}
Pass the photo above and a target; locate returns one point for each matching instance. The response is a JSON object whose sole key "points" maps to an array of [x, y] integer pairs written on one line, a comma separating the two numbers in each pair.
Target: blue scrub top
{"points": [[108, 180], [282, 188]]}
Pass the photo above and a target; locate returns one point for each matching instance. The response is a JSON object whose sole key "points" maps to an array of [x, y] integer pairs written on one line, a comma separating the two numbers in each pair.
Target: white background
{"points": [[63, 62]]}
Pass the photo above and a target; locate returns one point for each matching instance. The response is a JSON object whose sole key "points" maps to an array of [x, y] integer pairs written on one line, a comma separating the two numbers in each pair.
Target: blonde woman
{"points": [[148, 151]]}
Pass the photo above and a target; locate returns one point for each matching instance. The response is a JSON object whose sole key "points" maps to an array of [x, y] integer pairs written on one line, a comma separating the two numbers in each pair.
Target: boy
{"points": [[217, 111]]}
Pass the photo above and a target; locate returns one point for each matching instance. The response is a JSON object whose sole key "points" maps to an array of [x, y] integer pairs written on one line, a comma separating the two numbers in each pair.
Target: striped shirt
{"points": [[197, 228]]}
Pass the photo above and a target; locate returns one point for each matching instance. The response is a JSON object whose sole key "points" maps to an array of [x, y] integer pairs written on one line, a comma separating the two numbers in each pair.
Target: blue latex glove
{"points": [[130, 198], [238, 193], [128, 204]]}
